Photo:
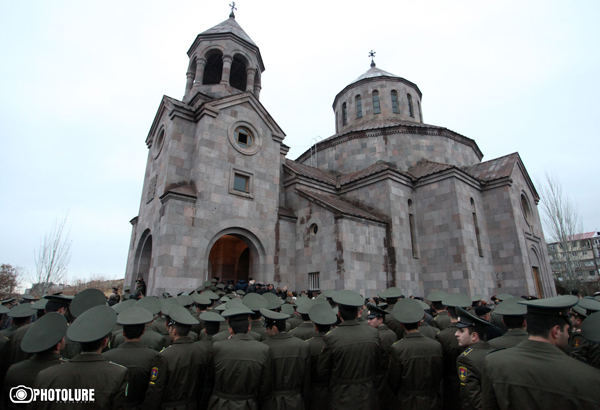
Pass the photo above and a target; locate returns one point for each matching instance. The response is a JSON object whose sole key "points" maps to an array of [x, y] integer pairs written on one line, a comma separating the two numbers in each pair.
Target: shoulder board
{"points": [[466, 352], [117, 364], [496, 350], [435, 318], [164, 348]]}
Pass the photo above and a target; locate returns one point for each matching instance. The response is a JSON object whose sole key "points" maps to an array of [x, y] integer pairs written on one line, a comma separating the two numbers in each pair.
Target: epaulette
{"points": [[466, 352], [63, 360], [496, 350], [117, 364], [164, 348]]}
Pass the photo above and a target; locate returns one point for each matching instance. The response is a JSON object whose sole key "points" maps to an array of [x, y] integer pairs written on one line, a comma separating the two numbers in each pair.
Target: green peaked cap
{"points": [[21, 311], [181, 315], [590, 305], [322, 314], [135, 316], [126, 304], [304, 307], [590, 328], [511, 307], [44, 333], [408, 311], [255, 301], [212, 317], [93, 324], [457, 299], [270, 315], [87, 299], [348, 298], [437, 296], [288, 309], [558, 305], [150, 303], [465, 319]]}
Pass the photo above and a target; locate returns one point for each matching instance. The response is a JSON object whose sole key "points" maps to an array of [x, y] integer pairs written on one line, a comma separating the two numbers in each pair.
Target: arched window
{"points": [[344, 114], [420, 111], [213, 69], [376, 107], [477, 234], [395, 109], [237, 76], [413, 234], [410, 107], [358, 107]]}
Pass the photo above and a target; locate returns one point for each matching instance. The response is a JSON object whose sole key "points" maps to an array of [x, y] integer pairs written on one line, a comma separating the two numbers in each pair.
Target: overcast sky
{"points": [[81, 81]]}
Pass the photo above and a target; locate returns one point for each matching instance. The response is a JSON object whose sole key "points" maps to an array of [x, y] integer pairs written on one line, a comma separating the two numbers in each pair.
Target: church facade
{"points": [[388, 200]]}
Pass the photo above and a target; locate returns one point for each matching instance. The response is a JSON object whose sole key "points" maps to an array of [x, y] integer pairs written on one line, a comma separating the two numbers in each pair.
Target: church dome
{"points": [[375, 96]]}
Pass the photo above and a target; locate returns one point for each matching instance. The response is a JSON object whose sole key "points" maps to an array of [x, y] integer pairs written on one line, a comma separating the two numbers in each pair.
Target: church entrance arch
{"points": [[143, 259], [234, 254]]}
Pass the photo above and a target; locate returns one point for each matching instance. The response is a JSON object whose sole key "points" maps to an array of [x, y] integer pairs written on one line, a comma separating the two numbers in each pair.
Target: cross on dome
{"points": [[232, 5]]}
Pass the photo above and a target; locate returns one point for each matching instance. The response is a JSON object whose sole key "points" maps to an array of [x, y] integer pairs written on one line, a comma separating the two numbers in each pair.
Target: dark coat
{"points": [[510, 339], [416, 368], [138, 359], [304, 331], [289, 359], [351, 358], [451, 350], [149, 339], [241, 373], [85, 371], [177, 379], [441, 320], [318, 398], [384, 392], [25, 372], [469, 366], [538, 375]]}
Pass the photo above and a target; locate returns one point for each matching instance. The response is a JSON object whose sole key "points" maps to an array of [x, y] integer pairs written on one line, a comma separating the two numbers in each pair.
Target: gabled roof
{"points": [[365, 172], [497, 168], [338, 205], [229, 26], [424, 168], [310, 172]]}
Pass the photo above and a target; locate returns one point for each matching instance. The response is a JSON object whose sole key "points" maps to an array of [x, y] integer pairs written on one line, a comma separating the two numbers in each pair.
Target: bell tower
{"points": [[223, 61]]}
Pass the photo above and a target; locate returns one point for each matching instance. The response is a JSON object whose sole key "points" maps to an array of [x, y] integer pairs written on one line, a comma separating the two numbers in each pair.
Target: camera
{"points": [[21, 394]]}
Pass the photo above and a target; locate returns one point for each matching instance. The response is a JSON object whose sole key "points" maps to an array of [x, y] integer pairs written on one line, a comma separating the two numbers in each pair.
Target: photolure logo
{"points": [[24, 394]]}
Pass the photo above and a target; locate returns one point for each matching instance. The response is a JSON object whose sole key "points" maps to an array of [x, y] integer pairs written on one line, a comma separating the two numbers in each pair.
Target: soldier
{"points": [[391, 296], [149, 337], [483, 313], [536, 374], [178, 371], [289, 359], [296, 318], [425, 327], [451, 350], [133, 354], [441, 319], [375, 319], [21, 316], [351, 357], [45, 340], [416, 362], [471, 334], [306, 329], [241, 370], [496, 318], [140, 287], [513, 316], [323, 317], [202, 304], [256, 302], [88, 370], [581, 348], [126, 293]]}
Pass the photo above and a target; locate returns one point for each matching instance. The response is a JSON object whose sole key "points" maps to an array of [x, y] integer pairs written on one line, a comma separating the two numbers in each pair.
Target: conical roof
{"points": [[229, 26], [374, 72]]}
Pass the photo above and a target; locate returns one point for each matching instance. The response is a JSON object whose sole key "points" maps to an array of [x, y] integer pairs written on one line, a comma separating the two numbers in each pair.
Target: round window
{"points": [[243, 137], [160, 140], [314, 228]]}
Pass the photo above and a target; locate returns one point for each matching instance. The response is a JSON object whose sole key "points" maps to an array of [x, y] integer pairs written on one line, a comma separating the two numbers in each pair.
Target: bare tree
{"points": [[562, 224], [52, 258]]}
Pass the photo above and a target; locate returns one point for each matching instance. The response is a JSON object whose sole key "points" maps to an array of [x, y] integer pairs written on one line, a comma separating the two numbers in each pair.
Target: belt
{"points": [[233, 396], [352, 381]]}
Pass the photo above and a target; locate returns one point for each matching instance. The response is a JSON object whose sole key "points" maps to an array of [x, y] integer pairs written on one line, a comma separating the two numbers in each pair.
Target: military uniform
{"points": [[451, 350], [295, 321], [25, 372], [428, 331], [318, 398], [159, 325], [14, 354], [470, 368], [392, 324], [305, 331], [351, 358], [241, 373], [258, 327], [538, 375], [177, 376], [387, 339], [416, 372], [441, 320], [289, 359], [510, 339], [150, 339], [138, 359], [581, 349], [219, 337]]}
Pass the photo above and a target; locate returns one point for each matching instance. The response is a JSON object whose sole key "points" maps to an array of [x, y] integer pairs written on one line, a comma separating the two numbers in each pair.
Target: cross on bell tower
{"points": [[232, 5], [372, 55]]}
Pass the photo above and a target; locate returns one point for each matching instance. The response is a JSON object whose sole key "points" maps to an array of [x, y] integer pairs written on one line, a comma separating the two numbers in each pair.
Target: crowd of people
{"points": [[249, 346]]}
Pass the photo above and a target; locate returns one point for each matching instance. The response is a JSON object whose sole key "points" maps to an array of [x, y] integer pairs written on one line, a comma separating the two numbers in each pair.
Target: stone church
{"points": [[388, 200]]}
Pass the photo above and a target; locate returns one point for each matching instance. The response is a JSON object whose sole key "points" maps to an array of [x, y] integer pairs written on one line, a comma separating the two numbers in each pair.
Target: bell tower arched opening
{"points": [[214, 68], [238, 76], [230, 258]]}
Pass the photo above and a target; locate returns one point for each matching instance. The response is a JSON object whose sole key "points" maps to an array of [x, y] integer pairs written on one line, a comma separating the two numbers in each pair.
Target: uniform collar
{"points": [[43, 357], [383, 327], [88, 357], [182, 340], [414, 335], [352, 322], [131, 345], [546, 348], [242, 336], [284, 335]]}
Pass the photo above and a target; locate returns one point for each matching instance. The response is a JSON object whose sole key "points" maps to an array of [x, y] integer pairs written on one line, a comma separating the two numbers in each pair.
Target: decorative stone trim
{"points": [[257, 138]]}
